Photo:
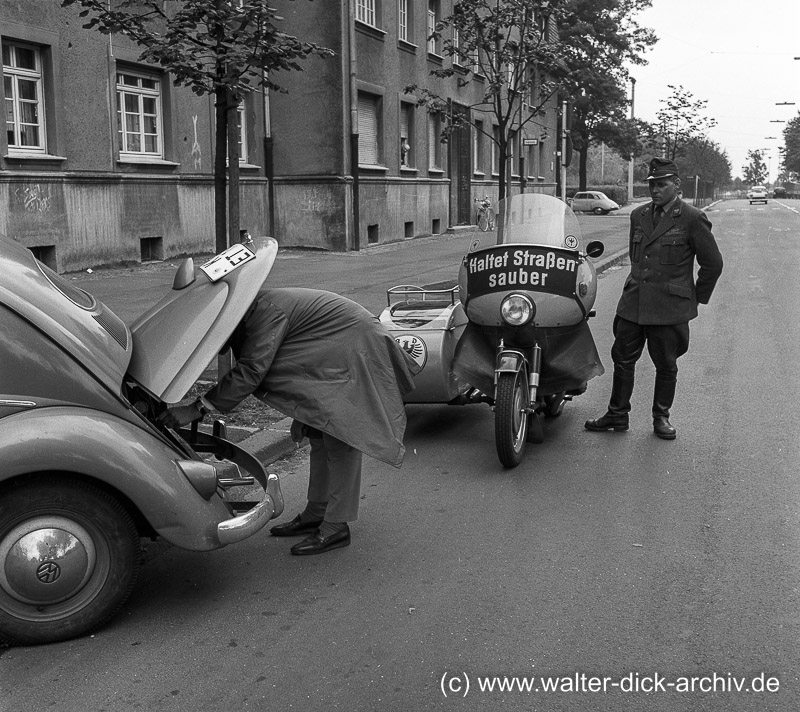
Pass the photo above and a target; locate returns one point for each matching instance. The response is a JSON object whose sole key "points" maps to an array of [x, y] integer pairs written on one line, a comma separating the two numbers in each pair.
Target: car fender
{"points": [[119, 454]]}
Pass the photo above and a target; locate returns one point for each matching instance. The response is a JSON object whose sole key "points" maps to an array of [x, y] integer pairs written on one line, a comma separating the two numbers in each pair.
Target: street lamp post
{"points": [[630, 160]]}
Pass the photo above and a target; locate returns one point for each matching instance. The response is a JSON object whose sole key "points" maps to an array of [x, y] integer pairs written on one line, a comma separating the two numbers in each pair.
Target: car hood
{"points": [[80, 324], [179, 337]]}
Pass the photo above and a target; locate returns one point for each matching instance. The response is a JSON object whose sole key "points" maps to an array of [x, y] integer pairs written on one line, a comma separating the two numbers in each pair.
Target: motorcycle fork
{"points": [[510, 360], [533, 374]]}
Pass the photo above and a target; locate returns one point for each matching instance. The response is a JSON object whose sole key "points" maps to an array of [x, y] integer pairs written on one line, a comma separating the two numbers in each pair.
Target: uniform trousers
{"points": [[335, 476], [666, 343]]}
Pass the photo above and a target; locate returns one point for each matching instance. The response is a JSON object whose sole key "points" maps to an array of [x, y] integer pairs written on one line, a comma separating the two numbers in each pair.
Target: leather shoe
{"points": [[295, 527], [663, 428], [617, 423], [317, 544]]}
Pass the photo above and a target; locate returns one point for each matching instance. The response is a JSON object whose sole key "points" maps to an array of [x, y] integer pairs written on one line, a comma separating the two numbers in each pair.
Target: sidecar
{"points": [[88, 470], [427, 322]]}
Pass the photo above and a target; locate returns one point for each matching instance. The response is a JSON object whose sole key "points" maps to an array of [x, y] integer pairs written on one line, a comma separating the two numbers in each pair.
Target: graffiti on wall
{"points": [[197, 154], [316, 200], [34, 198]]}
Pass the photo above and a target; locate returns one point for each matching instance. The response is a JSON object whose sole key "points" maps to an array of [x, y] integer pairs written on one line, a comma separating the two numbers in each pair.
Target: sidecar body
{"points": [[428, 322]]}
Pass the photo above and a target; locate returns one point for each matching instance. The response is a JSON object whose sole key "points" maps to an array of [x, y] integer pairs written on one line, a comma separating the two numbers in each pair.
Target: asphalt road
{"points": [[622, 559]]}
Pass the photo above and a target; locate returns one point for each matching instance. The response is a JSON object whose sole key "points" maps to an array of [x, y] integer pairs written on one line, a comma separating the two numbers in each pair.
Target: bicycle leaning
{"points": [[485, 213]]}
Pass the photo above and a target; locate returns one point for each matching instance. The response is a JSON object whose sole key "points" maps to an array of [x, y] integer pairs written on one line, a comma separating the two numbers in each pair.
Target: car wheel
{"points": [[69, 557], [599, 211]]}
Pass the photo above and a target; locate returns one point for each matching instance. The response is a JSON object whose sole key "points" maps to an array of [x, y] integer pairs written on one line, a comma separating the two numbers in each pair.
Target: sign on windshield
{"points": [[502, 268]]}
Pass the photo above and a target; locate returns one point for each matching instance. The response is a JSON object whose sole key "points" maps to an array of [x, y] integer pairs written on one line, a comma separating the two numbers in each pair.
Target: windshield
{"points": [[537, 219]]}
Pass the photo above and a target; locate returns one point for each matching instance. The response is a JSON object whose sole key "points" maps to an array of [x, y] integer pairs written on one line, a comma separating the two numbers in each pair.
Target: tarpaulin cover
{"points": [[569, 358]]}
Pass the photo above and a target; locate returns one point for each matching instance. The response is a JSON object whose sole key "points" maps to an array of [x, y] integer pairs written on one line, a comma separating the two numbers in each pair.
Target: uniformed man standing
{"points": [[660, 296]]}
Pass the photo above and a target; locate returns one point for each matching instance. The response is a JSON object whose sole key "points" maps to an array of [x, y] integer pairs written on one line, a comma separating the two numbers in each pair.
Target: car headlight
{"points": [[517, 309]]}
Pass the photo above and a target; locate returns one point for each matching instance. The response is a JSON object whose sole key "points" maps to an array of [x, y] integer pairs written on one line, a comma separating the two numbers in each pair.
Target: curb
{"points": [[275, 441], [272, 443]]}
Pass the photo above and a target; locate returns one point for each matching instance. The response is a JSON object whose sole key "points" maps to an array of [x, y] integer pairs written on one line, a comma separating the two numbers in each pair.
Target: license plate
{"points": [[226, 262]]}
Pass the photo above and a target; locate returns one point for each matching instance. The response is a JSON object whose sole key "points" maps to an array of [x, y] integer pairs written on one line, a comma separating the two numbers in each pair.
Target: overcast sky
{"points": [[737, 55]]}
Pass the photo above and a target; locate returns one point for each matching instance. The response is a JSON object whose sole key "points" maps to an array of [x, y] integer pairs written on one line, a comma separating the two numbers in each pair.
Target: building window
{"points": [[365, 12], [456, 47], [434, 142], [512, 155], [368, 129], [404, 20], [407, 135], [433, 16], [540, 167], [242, 120], [22, 82], [530, 169], [495, 150], [477, 147], [475, 61], [139, 115]]}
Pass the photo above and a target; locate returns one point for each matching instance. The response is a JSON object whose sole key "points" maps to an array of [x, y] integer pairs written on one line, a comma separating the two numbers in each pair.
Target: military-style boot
{"points": [[663, 396], [619, 405]]}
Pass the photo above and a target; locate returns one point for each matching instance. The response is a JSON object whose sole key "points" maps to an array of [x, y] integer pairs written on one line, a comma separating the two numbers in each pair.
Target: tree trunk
{"points": [[220, 168], [583, 162], [502, 186]]}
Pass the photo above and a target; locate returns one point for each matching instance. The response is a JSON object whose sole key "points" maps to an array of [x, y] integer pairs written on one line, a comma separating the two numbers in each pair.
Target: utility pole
{"points": [[563, 151], [630, 160]]}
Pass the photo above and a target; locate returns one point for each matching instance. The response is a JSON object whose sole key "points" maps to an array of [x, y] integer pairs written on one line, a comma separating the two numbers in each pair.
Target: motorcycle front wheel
{"points": [[511, 418]]}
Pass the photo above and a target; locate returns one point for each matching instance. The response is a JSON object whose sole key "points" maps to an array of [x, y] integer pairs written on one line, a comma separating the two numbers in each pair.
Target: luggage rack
{"points": [[409, 296]]}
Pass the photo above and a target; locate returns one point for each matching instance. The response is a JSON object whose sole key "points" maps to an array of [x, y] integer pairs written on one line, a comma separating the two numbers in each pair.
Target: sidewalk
{"points": [[363, 277]]}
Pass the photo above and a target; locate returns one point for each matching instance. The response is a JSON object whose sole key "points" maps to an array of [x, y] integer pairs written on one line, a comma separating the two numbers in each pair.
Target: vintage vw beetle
{"points": [[87, 470]]}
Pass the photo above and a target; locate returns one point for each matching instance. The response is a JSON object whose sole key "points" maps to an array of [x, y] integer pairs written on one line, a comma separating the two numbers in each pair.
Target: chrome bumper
{"points": [[245, 525]]}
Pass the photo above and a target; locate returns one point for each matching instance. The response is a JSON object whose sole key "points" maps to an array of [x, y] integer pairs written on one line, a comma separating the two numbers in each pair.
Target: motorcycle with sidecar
{"points": [[513, 332]]}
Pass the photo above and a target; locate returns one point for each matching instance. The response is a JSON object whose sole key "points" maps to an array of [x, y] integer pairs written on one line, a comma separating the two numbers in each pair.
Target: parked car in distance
{"points": [[757, 194], [592, 201], [779, 192], [88, 469]]}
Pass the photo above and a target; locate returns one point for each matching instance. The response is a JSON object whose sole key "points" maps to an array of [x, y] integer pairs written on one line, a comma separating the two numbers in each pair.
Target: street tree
{"points": [[705, 159], [679, 121], [509, 45], [225, 48], [600, 38], [791, 136], [755, 171]]}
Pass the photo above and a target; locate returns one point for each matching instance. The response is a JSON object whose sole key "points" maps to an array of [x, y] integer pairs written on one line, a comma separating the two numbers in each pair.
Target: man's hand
{"points": [[298, 431], [179, 416]]}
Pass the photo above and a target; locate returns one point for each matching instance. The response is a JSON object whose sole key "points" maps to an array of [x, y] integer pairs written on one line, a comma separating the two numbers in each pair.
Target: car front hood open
{"points": [[180, 336]]}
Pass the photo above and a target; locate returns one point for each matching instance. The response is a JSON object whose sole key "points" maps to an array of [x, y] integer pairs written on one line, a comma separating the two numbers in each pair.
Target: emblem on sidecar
{"points": [[414, 347]]}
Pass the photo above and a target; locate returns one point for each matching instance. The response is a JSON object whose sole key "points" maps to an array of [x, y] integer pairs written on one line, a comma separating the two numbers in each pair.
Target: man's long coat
{"points": [[326, 361], [661, 287]]}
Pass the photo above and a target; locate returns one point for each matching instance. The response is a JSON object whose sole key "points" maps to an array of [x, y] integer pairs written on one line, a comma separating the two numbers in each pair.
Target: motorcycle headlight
{"points": [[517, 309]]}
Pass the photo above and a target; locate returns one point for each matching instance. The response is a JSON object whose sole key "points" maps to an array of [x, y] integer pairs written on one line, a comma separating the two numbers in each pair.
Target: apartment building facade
{"points": [[104, 160]]}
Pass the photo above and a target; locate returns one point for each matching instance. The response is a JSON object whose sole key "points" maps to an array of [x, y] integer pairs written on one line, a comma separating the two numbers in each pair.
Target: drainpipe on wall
{"points": [[351, 34], [269, 168]]}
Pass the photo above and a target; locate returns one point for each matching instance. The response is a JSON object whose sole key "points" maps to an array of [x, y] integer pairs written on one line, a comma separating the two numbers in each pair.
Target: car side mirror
{"points": [[595, 248], [185, 274]]}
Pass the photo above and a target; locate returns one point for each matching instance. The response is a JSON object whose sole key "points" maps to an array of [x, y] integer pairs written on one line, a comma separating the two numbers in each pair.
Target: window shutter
{"points": [[367, 129], [404, 121]]}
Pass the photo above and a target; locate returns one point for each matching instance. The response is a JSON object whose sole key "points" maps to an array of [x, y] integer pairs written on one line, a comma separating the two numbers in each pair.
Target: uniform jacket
{"points": [[661, 287], [326, 361]]}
